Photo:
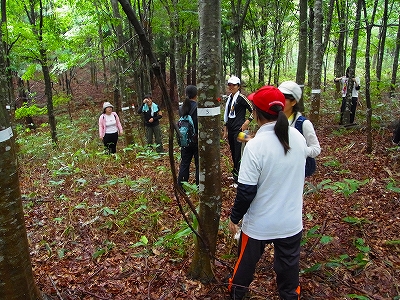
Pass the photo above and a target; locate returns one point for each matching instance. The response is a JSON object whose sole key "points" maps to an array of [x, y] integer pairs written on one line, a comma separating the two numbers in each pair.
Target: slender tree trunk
{"points": [[121, 73], [317, 62], [302, 52], [49, 95], [194, 58], [238, 15], [368, 25], [209, 146], [310, 44], [339, 66], [381, 45], [395, 62], [352, 67]]}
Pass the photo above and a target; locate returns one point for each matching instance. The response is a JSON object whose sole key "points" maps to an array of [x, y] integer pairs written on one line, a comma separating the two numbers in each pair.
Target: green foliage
{"points": [[392, 243], [331, 162], [310, 188], [312, 234], [61, 99], [355, 296], [104, 249], [356, 221], [347, 186], [392, 186], [29, 111], [190, 189]]}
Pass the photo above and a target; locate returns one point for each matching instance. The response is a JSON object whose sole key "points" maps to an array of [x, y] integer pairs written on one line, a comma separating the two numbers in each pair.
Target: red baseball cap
{"points": [[266, 97]]}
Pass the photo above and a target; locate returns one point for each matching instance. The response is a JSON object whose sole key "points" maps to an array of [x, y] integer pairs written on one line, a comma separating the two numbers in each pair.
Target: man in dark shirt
{"points": [[235, 121], [152, 115]]}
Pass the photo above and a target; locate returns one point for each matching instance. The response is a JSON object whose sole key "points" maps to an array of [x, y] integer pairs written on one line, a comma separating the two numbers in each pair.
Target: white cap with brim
{"points": [[290, 88], [234, 80], [107, 104]]}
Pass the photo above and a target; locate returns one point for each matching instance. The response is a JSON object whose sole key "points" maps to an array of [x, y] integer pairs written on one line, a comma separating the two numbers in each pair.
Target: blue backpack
{"points": [[187, 135], [311, 164], [186, 131]]}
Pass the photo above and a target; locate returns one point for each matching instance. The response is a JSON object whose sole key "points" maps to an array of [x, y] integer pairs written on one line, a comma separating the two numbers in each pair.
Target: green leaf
{"points": [[326, 239]]}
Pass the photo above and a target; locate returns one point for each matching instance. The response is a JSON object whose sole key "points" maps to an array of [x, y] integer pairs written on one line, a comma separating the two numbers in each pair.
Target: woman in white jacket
{"points": [[292, 92]]}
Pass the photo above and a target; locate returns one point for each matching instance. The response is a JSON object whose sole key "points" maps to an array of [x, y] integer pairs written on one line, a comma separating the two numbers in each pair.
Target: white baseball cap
{"points": [[234, 80], [290, 88]]}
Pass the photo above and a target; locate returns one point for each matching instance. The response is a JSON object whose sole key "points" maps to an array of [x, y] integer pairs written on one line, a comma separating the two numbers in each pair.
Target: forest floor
{"points": [[104, 227]]}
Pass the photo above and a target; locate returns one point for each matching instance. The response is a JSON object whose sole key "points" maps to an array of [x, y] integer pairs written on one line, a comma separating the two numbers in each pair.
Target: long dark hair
{"points": [[281, 126], [191, 93]]}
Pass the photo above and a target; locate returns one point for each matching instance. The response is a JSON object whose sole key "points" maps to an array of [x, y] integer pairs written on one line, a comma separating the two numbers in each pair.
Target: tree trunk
{"points": [[339, 67], [121, 73], [49, 95], [302, 52], [238, 15], [368, 26], [16, 276], [381, 44], [209, 136], [311, 44], [317, 62], [395, 62], [352, 66]]}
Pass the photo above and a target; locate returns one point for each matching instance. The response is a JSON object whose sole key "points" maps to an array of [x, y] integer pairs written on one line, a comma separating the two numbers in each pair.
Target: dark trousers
{"points": [[156, 131], [187, 153], [110, 142], [353, 107], [286, 265], [236, 150]]}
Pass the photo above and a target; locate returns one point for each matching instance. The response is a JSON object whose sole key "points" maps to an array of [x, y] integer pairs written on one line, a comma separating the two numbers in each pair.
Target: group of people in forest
{"points": [[268, 170]]}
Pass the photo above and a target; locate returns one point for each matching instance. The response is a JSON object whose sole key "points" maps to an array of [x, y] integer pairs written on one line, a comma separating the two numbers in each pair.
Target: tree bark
{"points": [[238, 15], [368, 25], [395, 62], [352, 66], [317, 62], [381, 45], [302, 52], [209, 136]]}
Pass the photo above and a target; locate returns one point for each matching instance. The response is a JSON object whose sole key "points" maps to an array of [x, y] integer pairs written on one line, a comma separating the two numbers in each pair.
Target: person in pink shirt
{"points": [[109, 128]]}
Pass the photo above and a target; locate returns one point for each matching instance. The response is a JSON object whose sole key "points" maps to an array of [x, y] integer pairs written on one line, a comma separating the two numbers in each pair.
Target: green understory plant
{"points": [[347, 186]]}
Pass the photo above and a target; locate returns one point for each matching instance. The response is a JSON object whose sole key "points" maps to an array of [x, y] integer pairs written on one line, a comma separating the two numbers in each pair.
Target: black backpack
{"points": [[311, 164], [187, 135]]}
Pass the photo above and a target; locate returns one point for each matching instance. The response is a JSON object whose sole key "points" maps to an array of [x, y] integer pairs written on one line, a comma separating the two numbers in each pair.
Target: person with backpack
{"points": [[190, 150], [235, 121], [152, 115], [269, 198], [109, 128], [344, 80], [292, 92]]}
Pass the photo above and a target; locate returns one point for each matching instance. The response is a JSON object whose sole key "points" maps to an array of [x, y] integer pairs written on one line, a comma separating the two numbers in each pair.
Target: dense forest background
{"points": [[78, 224]]}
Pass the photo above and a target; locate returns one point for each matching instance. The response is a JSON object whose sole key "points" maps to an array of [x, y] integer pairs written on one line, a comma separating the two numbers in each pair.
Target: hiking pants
{"points": [[236, 150], [156, 131], [110, 142], [187, 153], [286, 265]]}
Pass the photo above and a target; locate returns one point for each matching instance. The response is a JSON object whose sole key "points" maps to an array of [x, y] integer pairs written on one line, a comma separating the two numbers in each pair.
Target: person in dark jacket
{"points": [[152, 115], [189, 107], [235, 121]]}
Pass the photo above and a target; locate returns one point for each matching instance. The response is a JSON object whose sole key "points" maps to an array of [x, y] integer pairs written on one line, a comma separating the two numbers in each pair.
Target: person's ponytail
{"points": [[282, 130]]}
